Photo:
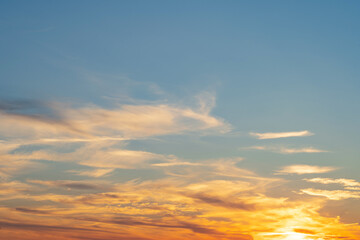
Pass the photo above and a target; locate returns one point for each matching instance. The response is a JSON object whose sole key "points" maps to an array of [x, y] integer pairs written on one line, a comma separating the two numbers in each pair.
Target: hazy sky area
{"points": [[179, 120]]}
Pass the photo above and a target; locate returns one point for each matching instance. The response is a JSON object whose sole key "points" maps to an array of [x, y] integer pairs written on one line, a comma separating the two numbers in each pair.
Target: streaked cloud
{"points": [[332, 194], [172, 164], [273, 135], [342, 181], [205, 199], [286, 150], [212, 200], [58, 122], [353, 188], [300, 150], [116, 158], [13, 187], [206, 209], [32, 211], [304, 169], [72, 185], [100, 172], [219, 201]]}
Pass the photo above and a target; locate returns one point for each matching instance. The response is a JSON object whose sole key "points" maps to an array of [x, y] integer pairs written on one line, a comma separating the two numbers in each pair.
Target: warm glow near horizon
{"points": [[179, 120]]}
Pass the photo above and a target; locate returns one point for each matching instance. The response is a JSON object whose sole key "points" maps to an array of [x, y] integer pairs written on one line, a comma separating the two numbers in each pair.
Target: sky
{"points": [[179, 120]]}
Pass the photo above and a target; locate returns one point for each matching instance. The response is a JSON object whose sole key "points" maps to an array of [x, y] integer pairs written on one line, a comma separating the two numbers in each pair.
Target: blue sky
{"points": [[274, 66], [223, 69]]}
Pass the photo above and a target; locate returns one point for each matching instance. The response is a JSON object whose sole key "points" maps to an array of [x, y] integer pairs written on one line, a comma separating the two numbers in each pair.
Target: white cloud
{"points": [[304, 169], [300, 150], [172, 164], [117, 158], [272, 135], [286, 150], [59, 122]]}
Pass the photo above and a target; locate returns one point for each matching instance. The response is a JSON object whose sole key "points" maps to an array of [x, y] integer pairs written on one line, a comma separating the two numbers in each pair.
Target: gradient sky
{"points": [[179, 120]]}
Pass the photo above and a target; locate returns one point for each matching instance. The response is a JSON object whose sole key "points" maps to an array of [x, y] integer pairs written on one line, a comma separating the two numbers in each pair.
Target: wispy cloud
{"points": [[286, 150], [187, 199], [219, 201], [300, 150], [14, 187], [32, 211], [116, 158], [342, 181], [98, 134], [72, 185], [178, 210], [172, 164], [184, 207], [47, 121], [273, 135], [304, 169], [332, 194], [100, 172]]}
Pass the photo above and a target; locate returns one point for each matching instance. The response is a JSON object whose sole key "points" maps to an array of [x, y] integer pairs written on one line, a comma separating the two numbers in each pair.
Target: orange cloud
{"points": [[186, 199], [342, 181], [332, 194], [212, 209]]}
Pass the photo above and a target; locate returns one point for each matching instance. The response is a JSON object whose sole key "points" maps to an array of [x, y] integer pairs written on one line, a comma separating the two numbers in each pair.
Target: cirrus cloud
{"points": [[273, 135], [53, 122], [286, 150], [332, 194], [342, 181], [304, 169]]}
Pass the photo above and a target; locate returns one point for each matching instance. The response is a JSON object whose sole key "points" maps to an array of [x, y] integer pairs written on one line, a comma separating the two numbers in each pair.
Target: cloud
{"points": [[342, 181], [300, 150], [37, 227], [100, 172], [172, 164], [32, 211], [221, 167], [29, 119], [105, 156], [184, 199], [116, 158], [14, 162], [142, 121], [305, 231], [179, 209], [217, 201], [191, 226], [209, 169], [304, 169], [13, 188], [272, 135], [95, 132], [353, 188], [71, 185], [332, 194], [18, 105], [286, 150], [94, 139]]}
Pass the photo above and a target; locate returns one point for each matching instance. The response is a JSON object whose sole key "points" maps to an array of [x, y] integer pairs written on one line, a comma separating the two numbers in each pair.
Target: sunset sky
{"points": [[179, 120]]}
